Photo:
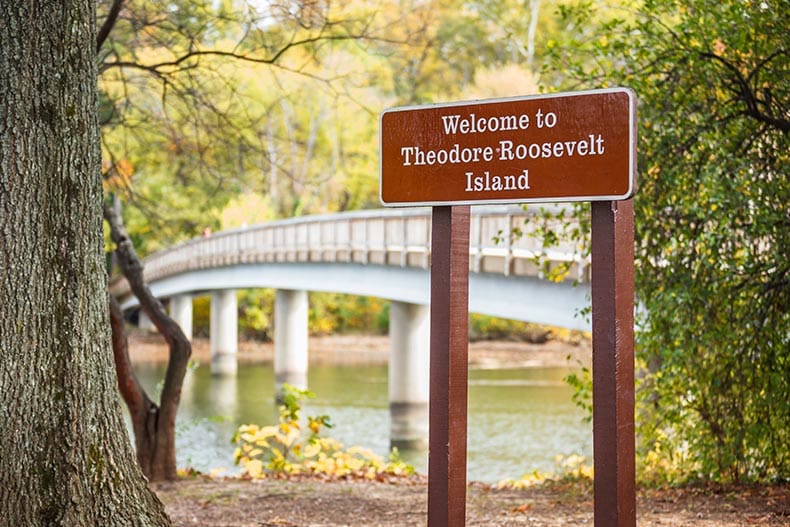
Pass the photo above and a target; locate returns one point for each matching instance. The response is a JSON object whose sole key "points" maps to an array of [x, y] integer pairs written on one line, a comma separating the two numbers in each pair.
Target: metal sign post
{"points": [[578, 146]]}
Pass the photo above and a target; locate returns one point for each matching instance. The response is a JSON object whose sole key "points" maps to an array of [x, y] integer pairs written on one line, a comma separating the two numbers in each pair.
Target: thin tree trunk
{"points": [[65, 457], [143, 412], [154, 426]]}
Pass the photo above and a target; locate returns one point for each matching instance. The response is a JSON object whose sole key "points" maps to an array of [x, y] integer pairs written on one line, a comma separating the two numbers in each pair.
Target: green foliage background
{"points": [[712, 228]]}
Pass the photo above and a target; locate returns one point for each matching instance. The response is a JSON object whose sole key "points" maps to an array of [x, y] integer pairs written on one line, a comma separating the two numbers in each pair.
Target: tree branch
{"points": [[180, 347], [177, 63], [133, 394], [748, 96], [109, 23]]}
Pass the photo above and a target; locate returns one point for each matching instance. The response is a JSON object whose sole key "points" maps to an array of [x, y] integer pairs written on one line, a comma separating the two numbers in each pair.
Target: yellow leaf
{"points": [[255, 468], [311, 450]]}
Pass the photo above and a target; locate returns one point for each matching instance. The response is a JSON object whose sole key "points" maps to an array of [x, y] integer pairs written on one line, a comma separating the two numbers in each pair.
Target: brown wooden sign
{"points": [[578, 146]]}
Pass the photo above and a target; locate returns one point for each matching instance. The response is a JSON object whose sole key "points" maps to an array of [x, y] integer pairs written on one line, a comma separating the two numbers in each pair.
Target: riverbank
{"points": [[401, 503], [234, 502], [374, 349]]}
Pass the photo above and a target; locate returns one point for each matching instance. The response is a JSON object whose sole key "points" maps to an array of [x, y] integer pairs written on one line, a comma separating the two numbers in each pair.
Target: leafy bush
{"points": [[201, 315], [484, 327], [712, 246], [289, 448], [340, 313], [569, 468], [255, 313]]}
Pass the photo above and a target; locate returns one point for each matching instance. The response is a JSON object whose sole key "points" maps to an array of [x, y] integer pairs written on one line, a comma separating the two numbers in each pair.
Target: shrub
{"points": [[289, 448]]}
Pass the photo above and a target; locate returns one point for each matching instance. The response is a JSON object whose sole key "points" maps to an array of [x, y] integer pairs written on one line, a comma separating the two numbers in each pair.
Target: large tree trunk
{"points": [[65, 457], [154, 426]]}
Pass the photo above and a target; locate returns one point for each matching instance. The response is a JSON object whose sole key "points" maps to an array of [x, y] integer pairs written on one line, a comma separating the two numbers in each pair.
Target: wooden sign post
{"points": [[578, 146], [613, 362], [449, 366]]}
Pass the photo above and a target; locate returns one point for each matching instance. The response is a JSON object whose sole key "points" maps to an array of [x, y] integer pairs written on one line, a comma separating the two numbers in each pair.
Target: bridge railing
{"points": [[395, 237]]}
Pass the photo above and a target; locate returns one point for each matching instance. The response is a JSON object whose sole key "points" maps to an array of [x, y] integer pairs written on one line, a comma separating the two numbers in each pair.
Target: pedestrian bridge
{"points": [[381, 253]]}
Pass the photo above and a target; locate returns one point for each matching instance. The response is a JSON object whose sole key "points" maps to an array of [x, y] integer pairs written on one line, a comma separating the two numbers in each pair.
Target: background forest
{"points": [[217, 114]]}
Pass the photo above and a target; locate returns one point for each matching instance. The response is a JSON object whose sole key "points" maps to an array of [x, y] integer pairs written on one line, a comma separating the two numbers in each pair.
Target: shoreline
{"points": [[359, 349]]}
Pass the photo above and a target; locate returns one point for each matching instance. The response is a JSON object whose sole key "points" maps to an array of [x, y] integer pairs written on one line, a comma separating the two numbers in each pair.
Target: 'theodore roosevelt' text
{"points": [[503, 149]]}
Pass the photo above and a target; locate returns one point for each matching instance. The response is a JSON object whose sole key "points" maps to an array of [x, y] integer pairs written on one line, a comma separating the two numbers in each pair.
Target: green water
{"points": [[519, 419]]}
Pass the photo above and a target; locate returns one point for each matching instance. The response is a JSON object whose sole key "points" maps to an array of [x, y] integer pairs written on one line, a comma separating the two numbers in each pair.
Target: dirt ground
{"points": [[314, 503]]}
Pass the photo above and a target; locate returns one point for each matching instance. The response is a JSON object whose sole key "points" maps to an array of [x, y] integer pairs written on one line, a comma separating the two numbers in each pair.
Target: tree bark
{"points": [[66, 457], [154, 426]]}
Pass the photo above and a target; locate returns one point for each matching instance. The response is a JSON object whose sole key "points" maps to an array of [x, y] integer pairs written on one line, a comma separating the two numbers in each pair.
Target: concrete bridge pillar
{"points": [[223, 332], [181, 312], [290, 339], [409, 366]]}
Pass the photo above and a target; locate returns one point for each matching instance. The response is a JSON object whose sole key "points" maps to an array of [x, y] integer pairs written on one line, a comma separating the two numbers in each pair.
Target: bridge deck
{"points": [[382, 253]]}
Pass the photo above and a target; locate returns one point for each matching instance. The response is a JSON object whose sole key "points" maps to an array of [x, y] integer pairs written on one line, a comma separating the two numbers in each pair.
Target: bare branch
{"points": [[109, 23], [748, 96], [177, 63]]}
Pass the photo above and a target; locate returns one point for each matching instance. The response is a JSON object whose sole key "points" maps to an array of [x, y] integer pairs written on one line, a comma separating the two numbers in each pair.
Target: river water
{"points": [[519, 420]]}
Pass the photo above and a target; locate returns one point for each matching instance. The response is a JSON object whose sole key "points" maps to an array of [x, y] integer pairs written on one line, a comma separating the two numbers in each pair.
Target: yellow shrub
{"points": [[288, 448]]}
